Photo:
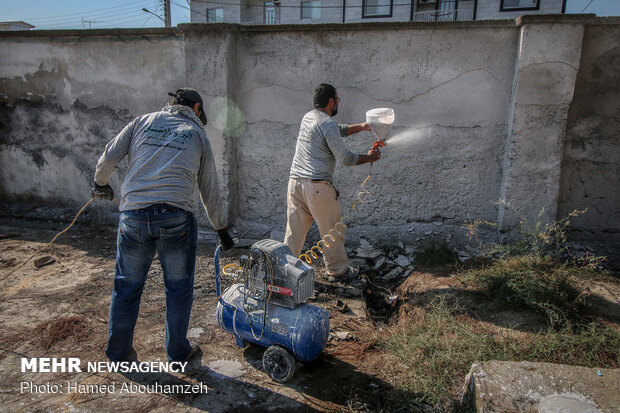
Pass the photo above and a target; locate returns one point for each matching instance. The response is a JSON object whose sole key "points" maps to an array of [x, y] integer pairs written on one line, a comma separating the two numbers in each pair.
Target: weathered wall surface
{"points": [[64, 96], [545, 72], [481, 114], [450, 92], [591, 165]]}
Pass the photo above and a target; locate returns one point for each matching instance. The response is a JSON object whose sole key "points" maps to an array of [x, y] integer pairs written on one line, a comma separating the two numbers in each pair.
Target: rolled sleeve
{"points": [[341, 151]]}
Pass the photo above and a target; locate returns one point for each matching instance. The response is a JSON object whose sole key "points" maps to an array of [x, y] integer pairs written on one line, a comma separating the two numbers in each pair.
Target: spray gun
{"points": [[379, 143], [380, 121]]}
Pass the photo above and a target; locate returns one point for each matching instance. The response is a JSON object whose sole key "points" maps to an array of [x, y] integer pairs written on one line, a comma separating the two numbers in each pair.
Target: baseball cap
{"points": [[192, 96]]}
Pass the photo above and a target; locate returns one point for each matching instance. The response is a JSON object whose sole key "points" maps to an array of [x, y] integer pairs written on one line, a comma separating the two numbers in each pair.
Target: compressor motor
{"points": [[273, 269], [269, 308]]}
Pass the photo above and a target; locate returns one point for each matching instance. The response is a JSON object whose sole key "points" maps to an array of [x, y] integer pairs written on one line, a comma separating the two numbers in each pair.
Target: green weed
{"points": [[535, 238], [432, 350], [530, 281]]}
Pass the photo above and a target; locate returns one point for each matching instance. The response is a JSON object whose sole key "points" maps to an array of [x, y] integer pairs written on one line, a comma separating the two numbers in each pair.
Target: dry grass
{"points": [[53, 331], [429, 350]]}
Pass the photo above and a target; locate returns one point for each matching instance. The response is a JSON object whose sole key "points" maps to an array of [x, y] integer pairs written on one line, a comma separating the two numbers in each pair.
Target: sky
{"points": [[79, 14]]}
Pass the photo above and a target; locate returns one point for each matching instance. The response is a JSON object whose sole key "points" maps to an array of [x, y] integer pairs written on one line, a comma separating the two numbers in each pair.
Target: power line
{"points": [[588, 5], [84, 12], [77, 22], [147, 20], [112, 24], [102, 17], [95, 16]]}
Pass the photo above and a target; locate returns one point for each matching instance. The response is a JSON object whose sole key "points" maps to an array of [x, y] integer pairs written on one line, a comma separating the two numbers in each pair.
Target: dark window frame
{"points": [[377, 16], [503, 9]]}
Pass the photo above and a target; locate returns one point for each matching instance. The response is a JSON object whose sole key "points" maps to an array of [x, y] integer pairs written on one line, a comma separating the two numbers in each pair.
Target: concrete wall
{"points": [[481, 114], [430, 76], [64, 95], [591, 164]]}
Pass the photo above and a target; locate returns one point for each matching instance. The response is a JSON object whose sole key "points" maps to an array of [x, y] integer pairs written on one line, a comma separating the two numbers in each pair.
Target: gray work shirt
{"points": [[168, 153], [319, 145]]}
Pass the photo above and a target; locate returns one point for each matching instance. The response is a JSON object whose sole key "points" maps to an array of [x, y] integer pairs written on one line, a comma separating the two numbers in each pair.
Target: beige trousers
{"points": [[309, 201]]}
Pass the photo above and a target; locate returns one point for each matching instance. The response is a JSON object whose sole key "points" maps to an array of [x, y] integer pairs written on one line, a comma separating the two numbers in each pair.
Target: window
{"points": [[377, 8], [518, 5], [271, 13], [445, 10], [215, 15], [311, 10]]}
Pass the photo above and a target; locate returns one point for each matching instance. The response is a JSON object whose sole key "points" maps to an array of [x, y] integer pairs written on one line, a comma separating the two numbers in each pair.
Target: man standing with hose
{"points": [[311, 195], [168, 152]]}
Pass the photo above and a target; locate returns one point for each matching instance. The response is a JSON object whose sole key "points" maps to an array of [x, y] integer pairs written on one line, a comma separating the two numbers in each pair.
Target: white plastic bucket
{"points": [[380, 121]]}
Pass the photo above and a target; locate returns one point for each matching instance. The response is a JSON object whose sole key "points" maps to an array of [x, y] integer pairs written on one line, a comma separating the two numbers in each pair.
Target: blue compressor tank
{"points": [[303, 330]]}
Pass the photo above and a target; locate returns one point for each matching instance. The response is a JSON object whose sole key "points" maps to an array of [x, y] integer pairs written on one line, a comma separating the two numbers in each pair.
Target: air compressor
{"points": [[270, 308]]}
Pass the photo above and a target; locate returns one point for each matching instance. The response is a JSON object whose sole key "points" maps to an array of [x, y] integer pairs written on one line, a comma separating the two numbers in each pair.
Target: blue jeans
{"points": [[173, 233]]}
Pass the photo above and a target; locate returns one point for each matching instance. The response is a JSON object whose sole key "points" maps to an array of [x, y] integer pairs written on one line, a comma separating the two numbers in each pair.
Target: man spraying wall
{"points": [[311, 195], [168, 153]]}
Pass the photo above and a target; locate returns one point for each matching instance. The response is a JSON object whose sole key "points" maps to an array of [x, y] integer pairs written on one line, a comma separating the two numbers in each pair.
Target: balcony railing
{"points": [[443, 15]]}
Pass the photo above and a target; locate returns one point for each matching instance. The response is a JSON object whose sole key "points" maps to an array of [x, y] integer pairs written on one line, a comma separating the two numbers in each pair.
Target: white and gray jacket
{"points": [[319, 145], [168, 153]]}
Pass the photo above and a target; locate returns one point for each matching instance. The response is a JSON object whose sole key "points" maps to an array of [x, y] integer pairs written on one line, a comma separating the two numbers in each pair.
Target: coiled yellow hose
{"points": [[338, 229], [230, 273]]}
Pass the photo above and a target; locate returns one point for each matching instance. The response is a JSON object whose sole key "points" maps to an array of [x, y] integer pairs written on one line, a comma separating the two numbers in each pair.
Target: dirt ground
{"points": [[61, 310]]}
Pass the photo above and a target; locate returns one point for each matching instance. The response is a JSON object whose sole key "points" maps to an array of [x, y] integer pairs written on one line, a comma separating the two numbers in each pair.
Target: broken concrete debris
{"points": [[368, 252], [395, 263], [463, 256], [359, 263], [402, 261], [392, 275], [534, 383], [378, 263]]}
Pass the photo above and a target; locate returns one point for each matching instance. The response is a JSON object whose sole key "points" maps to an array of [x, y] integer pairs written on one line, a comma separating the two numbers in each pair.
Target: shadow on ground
{"points": [[225, 394]]}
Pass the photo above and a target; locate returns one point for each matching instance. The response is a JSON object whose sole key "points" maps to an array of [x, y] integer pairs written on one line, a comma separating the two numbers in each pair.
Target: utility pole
{"points": [[167, 17], [89, 22]]}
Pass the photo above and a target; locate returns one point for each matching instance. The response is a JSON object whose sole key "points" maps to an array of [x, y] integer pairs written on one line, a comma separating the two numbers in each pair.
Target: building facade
{"points": [[16, 25], [356, 11]]}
